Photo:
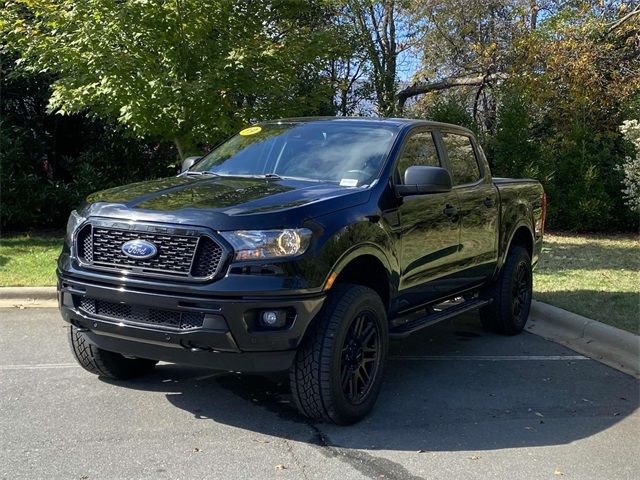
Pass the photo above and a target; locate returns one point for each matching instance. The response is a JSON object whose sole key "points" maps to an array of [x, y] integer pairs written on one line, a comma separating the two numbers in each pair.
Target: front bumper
{"points": [[228, 337]]}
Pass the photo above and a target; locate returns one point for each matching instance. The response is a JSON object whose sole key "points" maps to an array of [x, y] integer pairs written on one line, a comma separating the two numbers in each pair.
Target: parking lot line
{"points": [[38, 366], [490, 358], [426, 358]]}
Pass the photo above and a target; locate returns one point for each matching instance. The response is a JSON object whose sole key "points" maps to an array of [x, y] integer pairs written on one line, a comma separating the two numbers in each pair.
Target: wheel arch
{"points": [[367, 266], [522, 236]]}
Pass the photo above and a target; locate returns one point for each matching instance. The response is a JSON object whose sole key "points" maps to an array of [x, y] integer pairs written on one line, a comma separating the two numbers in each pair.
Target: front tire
{"points": [[338, 370], [511, 294], [104, 363]]}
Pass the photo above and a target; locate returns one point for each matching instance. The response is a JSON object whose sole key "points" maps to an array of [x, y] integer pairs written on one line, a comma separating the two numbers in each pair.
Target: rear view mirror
{"points": [[420, 180], [188, 162]]}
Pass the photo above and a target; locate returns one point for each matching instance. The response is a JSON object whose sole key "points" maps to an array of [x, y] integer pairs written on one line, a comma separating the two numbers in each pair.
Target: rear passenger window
{"points": [[462, 159], [419, 149]]}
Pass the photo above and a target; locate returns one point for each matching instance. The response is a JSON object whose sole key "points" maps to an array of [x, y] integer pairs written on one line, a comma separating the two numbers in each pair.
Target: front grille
{"points": [[140, 314], [189, 256]]}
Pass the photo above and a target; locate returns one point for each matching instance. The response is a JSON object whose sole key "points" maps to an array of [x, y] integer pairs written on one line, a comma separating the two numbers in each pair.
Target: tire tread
{"points": [[496, 317], [104, 363], [310, 373]]}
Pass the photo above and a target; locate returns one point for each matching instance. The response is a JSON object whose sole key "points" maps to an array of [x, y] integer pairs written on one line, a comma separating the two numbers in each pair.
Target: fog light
{"points": [[273, 318]]}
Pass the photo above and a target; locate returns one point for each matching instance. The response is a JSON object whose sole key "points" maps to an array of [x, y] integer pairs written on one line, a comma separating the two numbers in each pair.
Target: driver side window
{"points": [[419, 149]]}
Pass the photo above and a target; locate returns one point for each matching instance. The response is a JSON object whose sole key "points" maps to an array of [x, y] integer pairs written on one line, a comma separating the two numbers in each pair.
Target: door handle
{"points": [[488, 202], [450, 210]]}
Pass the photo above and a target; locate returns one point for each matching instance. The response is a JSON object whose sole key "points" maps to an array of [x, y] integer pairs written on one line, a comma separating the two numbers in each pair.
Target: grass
{"points": [[595, 276], [29, 260], [592, 275]]}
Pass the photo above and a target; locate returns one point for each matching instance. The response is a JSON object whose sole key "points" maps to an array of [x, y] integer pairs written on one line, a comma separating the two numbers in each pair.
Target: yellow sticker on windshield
{"points": [[250, 131]]}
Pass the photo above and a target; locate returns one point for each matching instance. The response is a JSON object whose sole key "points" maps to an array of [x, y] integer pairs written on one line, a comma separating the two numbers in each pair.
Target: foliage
{"points": [[514, 149], [544, 84], [384, 30], [631, 165], [49, 163], [186, 71], [450, 109], [546, 94]]}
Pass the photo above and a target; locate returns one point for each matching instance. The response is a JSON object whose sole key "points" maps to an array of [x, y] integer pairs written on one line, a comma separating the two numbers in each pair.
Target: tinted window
{"points": [[462, 160], [320, 151], [419, 149]]}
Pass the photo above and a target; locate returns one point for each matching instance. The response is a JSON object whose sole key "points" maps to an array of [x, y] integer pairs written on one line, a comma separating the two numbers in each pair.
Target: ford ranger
{"points": [[301, 245]]}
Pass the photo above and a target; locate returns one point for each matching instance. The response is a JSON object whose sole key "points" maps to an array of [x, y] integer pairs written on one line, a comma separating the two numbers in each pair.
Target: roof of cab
{"points": [[390, 122]]}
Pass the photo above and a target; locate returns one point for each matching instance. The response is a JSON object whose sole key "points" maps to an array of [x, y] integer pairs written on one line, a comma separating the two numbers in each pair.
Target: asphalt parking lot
{"points": [[457, 403]]}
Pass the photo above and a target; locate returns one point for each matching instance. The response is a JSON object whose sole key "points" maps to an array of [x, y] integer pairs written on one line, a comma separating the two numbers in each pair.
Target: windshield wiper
{"points": [[270, 176], [205, 172]]}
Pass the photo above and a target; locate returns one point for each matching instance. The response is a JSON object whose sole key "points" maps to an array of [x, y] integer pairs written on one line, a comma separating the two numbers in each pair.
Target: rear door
{"points": [[477, 206], [429, 229]]}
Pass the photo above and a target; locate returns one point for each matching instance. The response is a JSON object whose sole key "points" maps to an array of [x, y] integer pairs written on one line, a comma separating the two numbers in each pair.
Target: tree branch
{"points": [[623, 19], [444, 84]]}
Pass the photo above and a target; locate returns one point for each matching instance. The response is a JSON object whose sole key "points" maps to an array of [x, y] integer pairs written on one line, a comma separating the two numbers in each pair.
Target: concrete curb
{"points": [[28, 293], [28, 297], [613, 347]]}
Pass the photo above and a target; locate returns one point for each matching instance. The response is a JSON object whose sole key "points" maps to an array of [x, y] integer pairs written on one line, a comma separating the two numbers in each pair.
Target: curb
{"points": [[609, 345], [28, 293], [28, 297]]}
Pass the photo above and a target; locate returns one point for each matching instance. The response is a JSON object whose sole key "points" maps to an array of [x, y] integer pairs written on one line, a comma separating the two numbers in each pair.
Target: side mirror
{"points": [[420, 180], [188, 162]]}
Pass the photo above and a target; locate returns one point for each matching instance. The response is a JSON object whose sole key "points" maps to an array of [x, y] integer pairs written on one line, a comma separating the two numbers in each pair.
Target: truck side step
{"points": [[415, 322]]}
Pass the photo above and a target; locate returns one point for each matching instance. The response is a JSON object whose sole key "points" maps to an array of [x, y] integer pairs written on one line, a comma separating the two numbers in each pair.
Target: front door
{"points": [[429, 227]]}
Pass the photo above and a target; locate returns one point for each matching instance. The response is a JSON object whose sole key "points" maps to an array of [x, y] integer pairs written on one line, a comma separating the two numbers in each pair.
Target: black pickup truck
{"points": [[301, 245]]}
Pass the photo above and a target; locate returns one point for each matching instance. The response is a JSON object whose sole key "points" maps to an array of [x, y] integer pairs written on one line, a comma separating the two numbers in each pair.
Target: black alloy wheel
{"points": [[360, 357], [339, 367]]}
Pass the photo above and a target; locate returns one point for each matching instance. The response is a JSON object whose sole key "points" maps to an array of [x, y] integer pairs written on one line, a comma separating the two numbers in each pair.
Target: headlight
{"points": [[75, 219], [264, 244]]}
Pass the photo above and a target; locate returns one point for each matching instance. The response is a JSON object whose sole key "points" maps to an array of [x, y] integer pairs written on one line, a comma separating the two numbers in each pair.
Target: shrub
{"points": [[49, 163], [631, 165]]}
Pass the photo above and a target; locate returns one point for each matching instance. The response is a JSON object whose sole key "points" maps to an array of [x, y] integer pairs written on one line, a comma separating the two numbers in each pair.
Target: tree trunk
{"points": [[179, 147]]}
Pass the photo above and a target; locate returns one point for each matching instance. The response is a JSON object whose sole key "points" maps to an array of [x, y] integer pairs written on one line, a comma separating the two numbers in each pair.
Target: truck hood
{"points": [[223, 202]]}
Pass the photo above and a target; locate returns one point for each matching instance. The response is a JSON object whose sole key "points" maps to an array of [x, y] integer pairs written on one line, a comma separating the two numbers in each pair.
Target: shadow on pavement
{"points": [[450, 401]]}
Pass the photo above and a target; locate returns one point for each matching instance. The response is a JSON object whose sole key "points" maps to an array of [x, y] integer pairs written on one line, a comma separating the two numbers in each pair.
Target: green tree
{"points": [[188, 71], [385, 31]]}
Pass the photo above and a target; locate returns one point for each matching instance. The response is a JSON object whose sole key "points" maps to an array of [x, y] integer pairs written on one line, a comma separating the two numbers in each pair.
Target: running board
{"points": [[414, 324]]}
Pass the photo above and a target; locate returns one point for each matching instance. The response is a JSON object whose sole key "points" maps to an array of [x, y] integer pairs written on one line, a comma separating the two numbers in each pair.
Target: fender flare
{"points": [[516, 227], [358, 251]]}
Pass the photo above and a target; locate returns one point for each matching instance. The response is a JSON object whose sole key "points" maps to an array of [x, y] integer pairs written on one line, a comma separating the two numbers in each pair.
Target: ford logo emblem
{"points": [[139, 249]]}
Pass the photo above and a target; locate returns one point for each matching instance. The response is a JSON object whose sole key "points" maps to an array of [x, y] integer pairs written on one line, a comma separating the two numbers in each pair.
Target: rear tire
{"points": [[338, 370], [104, 363], [507, 314]]}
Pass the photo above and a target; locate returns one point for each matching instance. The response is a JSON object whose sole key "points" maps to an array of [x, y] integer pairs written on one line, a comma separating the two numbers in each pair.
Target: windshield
{"points": [[348, 154]]}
